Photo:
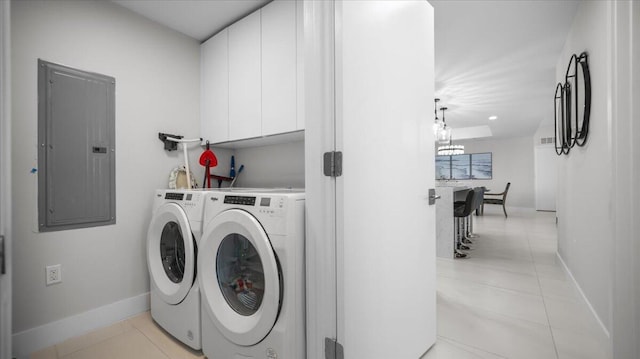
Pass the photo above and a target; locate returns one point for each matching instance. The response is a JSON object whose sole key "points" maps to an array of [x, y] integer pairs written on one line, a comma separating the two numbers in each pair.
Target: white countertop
{"points": [[454, 186]]}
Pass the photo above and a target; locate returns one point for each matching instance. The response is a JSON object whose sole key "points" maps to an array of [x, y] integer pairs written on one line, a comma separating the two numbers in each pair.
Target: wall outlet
{"points": [[54, 274]]}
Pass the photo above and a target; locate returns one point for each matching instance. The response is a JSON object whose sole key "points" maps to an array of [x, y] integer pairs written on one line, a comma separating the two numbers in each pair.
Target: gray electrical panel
{"points": [[76, 148]]}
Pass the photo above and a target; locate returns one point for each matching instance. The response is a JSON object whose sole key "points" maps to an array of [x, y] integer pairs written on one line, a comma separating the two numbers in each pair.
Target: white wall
{"points": [[157, 90], [545, 167], [585, 180], [546, 177], [280, 165], [544, 130], [512, 162]]}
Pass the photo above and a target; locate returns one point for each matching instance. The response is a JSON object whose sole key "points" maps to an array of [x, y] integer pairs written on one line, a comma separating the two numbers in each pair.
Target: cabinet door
{"points": [[244, 78], [300, 51], [214, 110], [279, 67]]}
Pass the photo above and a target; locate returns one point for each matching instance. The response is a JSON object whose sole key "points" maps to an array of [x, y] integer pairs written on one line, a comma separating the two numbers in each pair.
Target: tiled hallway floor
{"points": [[510, 299]]}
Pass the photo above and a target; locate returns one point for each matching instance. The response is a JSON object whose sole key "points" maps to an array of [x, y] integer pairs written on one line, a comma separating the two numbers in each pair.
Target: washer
{"points": [[172, 246], [251, 274]]}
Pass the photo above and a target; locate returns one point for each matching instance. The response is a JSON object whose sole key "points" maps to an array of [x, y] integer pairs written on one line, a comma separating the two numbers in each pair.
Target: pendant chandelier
{"points": [[449, 150], [443, 136], [437, 125]]}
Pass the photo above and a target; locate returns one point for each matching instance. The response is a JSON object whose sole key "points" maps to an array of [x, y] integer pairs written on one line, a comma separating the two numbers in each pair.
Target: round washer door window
{"points": [[239, 277], [240, 274], [171, 253]]}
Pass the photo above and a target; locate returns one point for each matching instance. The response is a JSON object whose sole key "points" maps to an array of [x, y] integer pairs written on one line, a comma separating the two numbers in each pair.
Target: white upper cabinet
{"points": [[245, 117], [252, 76], [300, 63], [279, 67], [214, 104]]}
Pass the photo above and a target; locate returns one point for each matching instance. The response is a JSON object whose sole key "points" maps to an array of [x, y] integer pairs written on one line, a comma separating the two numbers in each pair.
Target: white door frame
{"points": [[320, 205], [624, 84], [635, 177], [5, 179]]}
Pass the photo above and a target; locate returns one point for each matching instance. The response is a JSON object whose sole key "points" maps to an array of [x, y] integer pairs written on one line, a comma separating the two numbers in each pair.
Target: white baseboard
{"points": [[584, 297], [497, 209], [521, 209], [34, 339]]}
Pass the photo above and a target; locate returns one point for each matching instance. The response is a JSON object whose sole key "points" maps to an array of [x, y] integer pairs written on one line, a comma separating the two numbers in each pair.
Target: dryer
{"points": [[251, 272], [172, 245]]}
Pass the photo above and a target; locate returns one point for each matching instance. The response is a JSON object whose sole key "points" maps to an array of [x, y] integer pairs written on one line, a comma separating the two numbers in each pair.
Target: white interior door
{"points": [[5, 183], [546, 178], [370, 233], [386, 284]]}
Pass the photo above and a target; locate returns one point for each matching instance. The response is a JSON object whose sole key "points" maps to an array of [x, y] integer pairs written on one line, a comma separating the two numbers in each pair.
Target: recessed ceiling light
{"points": [[494, 117]]}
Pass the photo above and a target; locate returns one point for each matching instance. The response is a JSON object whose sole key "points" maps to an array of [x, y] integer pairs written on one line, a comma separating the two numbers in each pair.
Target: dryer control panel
{"points": [[253, 201], [186, 200], [273, 206]]}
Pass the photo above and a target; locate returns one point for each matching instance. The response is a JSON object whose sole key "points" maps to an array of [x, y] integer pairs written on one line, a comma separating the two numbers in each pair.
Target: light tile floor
{"points": [[510, 299], [138, 337]]}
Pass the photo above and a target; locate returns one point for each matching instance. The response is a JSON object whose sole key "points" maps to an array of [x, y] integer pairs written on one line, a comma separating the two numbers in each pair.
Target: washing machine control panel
{"points": [[174, 196], [243, 200], [185, 199]]}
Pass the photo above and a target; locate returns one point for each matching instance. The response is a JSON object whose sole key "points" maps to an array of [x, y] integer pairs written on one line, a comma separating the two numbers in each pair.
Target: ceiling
{"points": [[499, 58], [492, 57], [199, 19]]}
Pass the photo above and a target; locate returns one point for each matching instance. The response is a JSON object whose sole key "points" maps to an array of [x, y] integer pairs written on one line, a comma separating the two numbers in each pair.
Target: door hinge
{"points": [[333, 164], [333, 349]]}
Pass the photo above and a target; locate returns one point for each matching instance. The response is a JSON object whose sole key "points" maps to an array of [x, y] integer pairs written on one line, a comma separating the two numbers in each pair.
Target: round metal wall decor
{"points": [[571, 120]]}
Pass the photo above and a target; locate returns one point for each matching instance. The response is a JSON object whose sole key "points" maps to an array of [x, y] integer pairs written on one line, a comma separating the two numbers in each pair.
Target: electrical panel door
{"points": [[76, 140]]}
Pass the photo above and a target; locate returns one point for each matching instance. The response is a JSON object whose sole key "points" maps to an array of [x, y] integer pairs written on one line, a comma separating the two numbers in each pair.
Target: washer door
{"points": [[171, 253], [239, 277]]}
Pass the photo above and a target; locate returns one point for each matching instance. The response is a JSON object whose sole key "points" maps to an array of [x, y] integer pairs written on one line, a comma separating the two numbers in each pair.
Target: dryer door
{"points": [[171, 253], [240, 278]]}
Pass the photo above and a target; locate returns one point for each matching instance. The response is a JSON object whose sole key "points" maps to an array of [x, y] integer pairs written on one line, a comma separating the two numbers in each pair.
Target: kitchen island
{"points": [[445, 228]]}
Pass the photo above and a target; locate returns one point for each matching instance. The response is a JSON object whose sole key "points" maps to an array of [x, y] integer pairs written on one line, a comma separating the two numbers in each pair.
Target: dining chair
{"points": [[494, 199]]}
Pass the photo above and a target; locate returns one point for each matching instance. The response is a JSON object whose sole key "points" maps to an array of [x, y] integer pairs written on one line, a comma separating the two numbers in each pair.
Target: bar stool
{"points": [[461, 211], [477, 203], [467, 222]]}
